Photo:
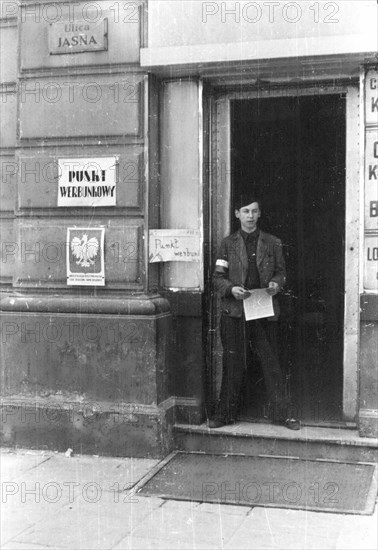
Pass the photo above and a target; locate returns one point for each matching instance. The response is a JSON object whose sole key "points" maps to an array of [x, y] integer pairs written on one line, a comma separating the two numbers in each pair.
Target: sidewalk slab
{"points": [[189, 525], [14, 465], [46, 492], [23, 546], [275, 528], [72, 530], [87, 525], [215, 508], [142, 543], [109, 474]]}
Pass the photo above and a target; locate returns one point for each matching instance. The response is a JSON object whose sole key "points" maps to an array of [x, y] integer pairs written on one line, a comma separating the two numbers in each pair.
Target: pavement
{"points": [[61, 501]]}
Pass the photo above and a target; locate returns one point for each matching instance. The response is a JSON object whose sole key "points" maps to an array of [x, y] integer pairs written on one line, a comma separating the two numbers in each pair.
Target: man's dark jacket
{"points": [[232, 268]]}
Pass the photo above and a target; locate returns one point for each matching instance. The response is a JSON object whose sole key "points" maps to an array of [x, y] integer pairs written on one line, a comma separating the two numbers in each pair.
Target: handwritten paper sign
{"points": [[87, 182], [174, 245], [85, 256], [258, 305]]}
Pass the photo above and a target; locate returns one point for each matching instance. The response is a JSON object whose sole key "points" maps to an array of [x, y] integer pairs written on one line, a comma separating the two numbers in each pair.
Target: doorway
{"points": [[292, 151]]}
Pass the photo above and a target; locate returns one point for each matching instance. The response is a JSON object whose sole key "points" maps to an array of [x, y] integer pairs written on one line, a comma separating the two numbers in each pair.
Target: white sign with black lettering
{"points": [[87, 182], [78, 36], [371, 263], [371, 97], [371, 180]]}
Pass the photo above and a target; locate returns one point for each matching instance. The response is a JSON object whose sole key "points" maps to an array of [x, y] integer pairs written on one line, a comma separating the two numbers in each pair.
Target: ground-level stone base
{"points": [[368, 423], [102, 428], [86, 372]]}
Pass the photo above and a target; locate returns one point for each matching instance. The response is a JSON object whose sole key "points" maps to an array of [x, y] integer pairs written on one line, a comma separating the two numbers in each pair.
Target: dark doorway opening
{"points": [[291, 150]]}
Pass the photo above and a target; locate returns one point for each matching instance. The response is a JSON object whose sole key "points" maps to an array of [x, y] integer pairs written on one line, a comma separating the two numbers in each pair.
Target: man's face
{"points": [[248, 216]]}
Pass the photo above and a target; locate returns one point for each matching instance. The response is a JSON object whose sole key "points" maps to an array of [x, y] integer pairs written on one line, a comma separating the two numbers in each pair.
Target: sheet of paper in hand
{"points": [[258, 305]]}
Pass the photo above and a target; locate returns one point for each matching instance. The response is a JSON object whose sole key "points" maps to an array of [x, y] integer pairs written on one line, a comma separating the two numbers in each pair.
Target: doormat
{"points": [[280, 482]]}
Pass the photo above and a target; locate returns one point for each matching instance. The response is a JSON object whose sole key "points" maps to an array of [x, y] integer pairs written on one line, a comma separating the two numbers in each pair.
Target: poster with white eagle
{"points": [[85, 256]]}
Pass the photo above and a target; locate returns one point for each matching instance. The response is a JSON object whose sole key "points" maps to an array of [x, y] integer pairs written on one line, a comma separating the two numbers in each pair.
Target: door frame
{"points": [[220, 220]]}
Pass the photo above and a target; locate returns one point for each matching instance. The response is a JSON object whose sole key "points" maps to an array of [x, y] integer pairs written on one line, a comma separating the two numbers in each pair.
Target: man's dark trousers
{"points": [[261, 336]]}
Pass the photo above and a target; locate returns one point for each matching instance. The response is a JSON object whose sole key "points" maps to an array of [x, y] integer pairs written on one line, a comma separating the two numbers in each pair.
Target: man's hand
{"points": [[240, 293], [273, 288]]}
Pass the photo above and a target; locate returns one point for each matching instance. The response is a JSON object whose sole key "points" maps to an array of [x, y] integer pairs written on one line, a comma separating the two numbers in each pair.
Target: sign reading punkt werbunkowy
{"points": [[87, 182], [78, 36]]}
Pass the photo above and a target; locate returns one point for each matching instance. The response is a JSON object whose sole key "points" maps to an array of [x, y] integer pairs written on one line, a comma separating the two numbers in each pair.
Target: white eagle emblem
{"points": [[85, 250]]}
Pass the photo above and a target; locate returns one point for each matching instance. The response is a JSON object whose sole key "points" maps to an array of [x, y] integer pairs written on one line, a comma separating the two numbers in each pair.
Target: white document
{"points": [[258, 305]]}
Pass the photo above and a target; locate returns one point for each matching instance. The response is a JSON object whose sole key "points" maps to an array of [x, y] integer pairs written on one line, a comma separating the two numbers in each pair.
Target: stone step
{"points": [[256, 439]]}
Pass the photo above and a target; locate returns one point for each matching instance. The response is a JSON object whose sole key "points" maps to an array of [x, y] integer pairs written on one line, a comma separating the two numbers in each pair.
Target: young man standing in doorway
{"points": [[249, 259]]}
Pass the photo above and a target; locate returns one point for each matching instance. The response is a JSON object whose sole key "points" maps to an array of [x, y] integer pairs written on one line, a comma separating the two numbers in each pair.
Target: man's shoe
{"points": [[292, 424], [218, 423]]}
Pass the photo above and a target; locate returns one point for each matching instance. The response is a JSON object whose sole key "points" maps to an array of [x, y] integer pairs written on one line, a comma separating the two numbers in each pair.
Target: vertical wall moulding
{"points": [[181, 189], [8, 141], [352, 251], [181, 174]]}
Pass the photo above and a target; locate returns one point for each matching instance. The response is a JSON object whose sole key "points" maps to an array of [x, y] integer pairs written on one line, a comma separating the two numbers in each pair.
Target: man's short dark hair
{"points": [[246, 198]]}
